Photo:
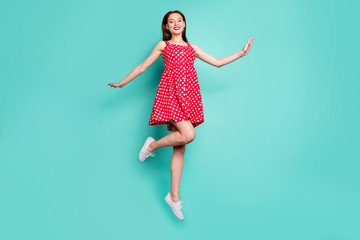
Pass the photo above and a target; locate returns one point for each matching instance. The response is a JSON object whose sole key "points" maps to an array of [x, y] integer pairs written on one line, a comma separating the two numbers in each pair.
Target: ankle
{"points": [[149, 148], [174, 196]]}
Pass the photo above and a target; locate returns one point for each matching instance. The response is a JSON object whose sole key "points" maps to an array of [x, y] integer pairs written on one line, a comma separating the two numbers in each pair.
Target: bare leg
{"points": [[184, 135], [176, 167]]}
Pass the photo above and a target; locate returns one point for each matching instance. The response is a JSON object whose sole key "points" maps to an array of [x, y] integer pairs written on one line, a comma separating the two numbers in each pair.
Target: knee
{"points": [[189, 137]]}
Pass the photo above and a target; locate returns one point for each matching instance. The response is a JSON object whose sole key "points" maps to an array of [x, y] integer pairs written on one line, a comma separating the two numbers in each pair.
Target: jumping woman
{"points": [[178, 102]]}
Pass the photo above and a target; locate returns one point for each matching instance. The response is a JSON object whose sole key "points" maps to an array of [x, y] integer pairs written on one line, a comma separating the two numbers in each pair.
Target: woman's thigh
{"points": [[185, 128]]}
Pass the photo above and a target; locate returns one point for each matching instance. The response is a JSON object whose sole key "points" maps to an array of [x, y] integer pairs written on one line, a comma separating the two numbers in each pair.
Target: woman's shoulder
{"points": [[161, 45], [195, 47]]}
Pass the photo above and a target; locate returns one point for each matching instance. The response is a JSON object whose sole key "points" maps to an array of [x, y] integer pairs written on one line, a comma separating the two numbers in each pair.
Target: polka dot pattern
{"points": [[178, 97]]}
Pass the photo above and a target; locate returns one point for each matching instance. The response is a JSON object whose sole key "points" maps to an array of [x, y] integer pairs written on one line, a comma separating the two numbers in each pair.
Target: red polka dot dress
{"points": [[178, 97]]}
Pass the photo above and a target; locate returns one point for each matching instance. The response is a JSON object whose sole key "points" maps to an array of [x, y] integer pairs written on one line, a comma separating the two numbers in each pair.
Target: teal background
{"points": [[276, 158]]}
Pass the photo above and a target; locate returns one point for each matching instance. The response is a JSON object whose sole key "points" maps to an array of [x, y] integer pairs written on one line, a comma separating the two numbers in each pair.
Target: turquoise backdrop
{"points": [[277, 157]]}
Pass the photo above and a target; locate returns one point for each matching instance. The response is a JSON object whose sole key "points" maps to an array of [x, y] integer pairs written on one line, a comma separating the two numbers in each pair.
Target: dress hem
{"points": [[170, 125]]}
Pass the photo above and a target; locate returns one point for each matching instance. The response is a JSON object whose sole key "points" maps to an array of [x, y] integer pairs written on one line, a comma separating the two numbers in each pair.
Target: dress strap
{"points": [[188, 43], [167, 42]]}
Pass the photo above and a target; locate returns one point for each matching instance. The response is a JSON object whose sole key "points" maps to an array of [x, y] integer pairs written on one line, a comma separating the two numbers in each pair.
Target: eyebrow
{"points": [[174, 19]]}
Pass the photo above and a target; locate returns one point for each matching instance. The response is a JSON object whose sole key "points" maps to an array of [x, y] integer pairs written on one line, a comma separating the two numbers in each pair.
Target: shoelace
{"points": [[150, 154], [178, 204]]}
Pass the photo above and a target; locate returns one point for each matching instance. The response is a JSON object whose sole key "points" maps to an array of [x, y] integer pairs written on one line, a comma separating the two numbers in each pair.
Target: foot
{"points": [[175, 207], [144, 153]]}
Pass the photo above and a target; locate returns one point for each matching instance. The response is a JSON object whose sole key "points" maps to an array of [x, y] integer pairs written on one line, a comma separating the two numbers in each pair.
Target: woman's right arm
{"points": [[155, 54]]}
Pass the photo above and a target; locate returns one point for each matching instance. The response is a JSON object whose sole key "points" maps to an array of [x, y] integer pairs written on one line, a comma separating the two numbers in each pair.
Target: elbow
{"points": [[141, 68], [219, 65]]}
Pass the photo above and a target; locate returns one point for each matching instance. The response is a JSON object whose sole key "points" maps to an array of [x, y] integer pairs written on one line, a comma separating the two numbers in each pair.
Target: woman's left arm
{"points": [[222, 61]]}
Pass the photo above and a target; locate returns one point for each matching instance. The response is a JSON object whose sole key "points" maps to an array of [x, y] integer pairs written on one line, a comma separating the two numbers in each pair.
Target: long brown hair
{"points": [[166, 33]]}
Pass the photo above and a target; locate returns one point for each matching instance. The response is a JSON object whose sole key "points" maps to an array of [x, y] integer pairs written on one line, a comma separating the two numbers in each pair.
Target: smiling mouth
{"points": [[176, 28]]}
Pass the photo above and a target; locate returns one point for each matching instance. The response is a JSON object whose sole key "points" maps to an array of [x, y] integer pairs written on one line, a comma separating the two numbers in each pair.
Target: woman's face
{"points": [[175, 23]]}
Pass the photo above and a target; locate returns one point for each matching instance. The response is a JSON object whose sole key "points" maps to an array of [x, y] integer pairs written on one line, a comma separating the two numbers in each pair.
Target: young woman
{"points": [[178, 102]]}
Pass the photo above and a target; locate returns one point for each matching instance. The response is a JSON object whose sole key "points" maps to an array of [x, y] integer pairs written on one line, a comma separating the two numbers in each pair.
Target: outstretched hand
{"points": [[247, 46], [115, 85]]}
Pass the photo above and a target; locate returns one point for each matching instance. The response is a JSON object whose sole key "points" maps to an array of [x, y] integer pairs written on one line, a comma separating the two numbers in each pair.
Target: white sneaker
{"points": [[175, 206], [143, 154]]}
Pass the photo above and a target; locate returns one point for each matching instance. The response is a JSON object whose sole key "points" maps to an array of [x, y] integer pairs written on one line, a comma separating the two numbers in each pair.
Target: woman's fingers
{"points": [[114, 85], [248, 45]]}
